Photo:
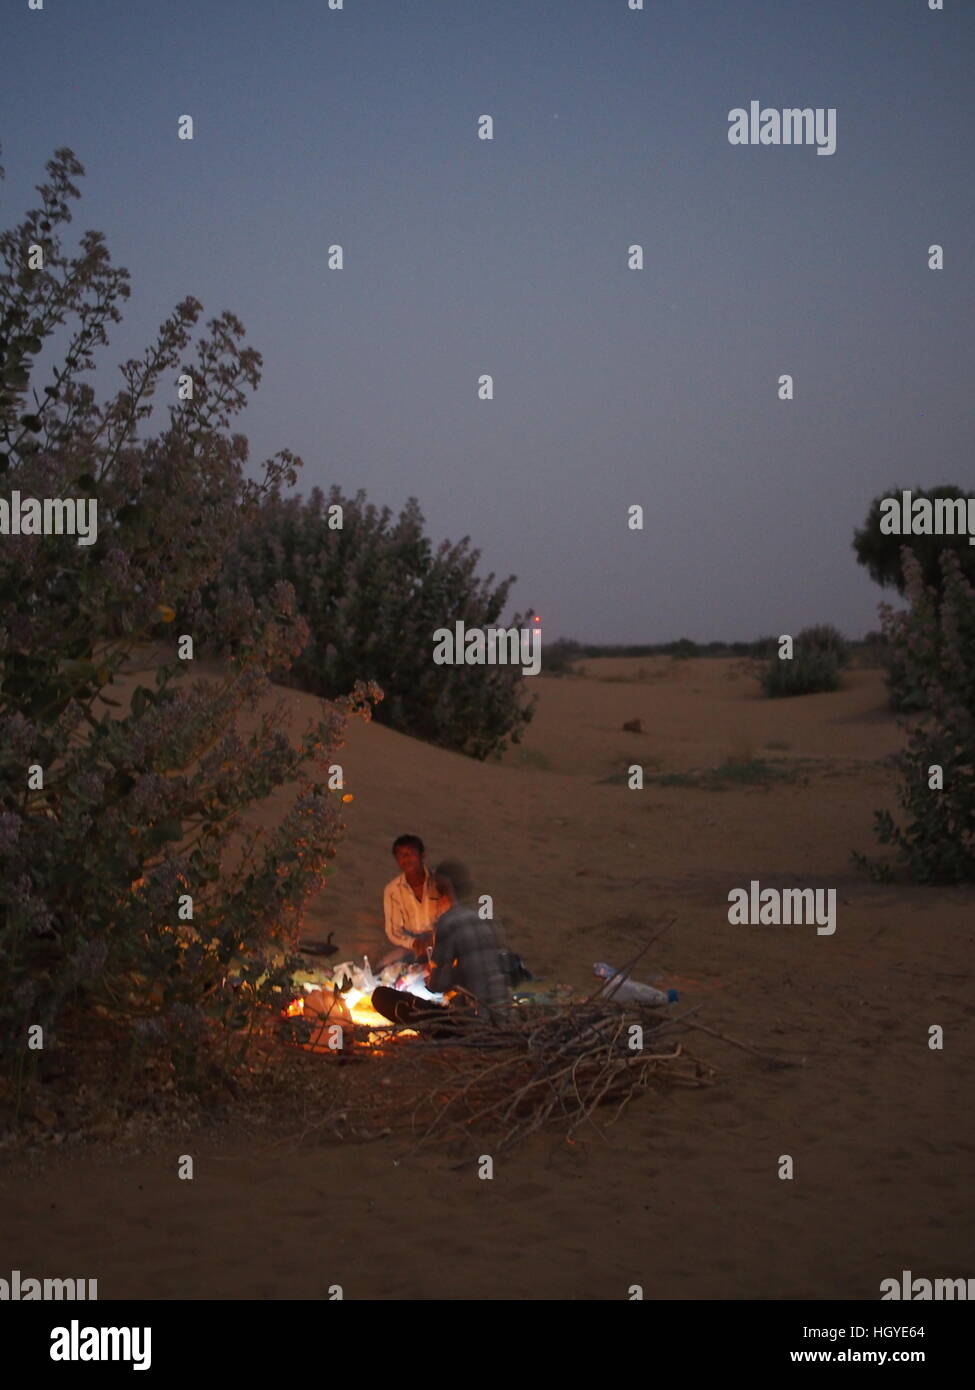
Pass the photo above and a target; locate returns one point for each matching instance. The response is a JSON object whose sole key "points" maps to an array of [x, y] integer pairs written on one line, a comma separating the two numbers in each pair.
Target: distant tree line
{"points": [[559, 656]]}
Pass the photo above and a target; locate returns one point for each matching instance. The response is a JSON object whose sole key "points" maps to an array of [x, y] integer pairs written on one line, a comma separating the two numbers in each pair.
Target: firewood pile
{"points": [[507, 1077], [502, 1077]]}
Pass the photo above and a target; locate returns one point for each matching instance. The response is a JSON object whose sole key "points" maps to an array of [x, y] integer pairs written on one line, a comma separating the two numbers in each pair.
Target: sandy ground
{"points": [[683, 1195]]}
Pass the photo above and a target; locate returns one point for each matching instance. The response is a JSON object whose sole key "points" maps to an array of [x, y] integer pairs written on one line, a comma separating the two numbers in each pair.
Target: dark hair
{"points": [[409, 842], [457, 876]]}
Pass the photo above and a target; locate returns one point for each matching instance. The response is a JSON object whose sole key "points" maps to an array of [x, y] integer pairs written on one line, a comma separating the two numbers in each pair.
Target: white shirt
{"points": [[406, 915]]}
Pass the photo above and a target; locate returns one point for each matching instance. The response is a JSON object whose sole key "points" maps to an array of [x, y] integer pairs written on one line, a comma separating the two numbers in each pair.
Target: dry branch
{"points": [[506, 1077]]}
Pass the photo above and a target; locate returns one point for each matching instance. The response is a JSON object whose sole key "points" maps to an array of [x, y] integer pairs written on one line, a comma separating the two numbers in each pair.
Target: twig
{"points": [[746, 1047]]}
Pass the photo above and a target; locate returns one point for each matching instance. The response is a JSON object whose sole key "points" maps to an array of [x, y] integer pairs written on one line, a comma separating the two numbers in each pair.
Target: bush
{"points": [[559, 657], [373, 592], [826, 638], [883, 554], [815, 666], [934, 643], [683, 649], [905, 694], [114, 823]]}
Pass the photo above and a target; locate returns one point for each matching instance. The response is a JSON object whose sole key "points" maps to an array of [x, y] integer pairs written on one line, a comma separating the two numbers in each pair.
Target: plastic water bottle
{"points": [[622, 990]]}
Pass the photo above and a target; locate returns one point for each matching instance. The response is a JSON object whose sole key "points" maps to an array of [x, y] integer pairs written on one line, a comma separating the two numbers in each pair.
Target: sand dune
{"points": [[683, 1195]]}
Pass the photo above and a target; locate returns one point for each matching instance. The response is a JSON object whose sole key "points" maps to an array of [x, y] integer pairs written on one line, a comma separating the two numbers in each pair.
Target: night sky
{"points": [[509, 257]]}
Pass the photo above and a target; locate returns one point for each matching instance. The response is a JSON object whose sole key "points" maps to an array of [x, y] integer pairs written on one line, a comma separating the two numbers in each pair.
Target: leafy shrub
{"points": [[140, 803], [824, 637], [883, 554], [683, 649], [934, 642], [559, 657], [373, 592], [815, 667], [905, 693]]}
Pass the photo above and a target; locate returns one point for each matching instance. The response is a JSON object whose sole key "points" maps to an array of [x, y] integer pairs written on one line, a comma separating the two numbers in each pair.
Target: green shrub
{"points": [[139, 803], [814, 667], [882, 553], [683, 649], [826, 638], [558, 657], [373, 591], [934, 643], [905, 693]]}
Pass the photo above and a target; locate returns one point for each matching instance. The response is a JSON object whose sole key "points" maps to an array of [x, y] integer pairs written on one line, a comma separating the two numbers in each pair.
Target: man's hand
{"points": [[420, 944]]}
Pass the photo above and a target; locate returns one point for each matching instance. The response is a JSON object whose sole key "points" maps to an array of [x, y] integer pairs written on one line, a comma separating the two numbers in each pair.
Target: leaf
{"points": [[140, 700], [78, 670]]}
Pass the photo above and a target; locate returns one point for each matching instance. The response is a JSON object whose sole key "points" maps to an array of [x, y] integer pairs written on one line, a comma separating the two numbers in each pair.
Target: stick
{"points": [[746, 1047]]}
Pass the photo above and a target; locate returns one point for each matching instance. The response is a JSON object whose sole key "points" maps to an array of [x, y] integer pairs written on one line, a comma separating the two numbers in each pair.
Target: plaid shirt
{"points": [[466, 955]]}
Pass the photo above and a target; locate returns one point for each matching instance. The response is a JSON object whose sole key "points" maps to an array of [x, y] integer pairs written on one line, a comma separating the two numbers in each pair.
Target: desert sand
{"points": [[682, 1196]]}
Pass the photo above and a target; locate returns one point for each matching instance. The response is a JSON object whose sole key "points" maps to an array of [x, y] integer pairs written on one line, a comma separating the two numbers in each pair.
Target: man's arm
{"points": [[395, 929], [442, 976]]}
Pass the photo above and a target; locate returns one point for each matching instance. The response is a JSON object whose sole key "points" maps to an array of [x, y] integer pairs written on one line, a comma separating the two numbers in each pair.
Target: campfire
{"points": [[355, 1004], [341, 996]]}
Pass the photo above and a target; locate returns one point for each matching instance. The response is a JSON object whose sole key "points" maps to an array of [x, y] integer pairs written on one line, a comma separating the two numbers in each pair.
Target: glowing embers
{"points": [[329, 1013], [334, 1010], [323, 1021]]}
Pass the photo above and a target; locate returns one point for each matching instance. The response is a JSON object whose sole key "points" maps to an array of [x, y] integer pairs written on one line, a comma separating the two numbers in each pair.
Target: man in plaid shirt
{"points": [[467, 960], [466, 950]]}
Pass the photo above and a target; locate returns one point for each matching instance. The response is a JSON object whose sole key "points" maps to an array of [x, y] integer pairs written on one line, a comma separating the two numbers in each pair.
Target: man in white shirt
{"points": [[411, 903]]}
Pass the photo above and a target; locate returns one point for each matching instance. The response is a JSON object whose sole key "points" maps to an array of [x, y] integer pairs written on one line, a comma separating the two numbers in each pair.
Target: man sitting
{"points": [[411, 904], [468, 962]]}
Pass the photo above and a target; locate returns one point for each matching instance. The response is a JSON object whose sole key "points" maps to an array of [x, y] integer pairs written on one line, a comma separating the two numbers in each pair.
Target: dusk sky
{"points": [[466, 256]]}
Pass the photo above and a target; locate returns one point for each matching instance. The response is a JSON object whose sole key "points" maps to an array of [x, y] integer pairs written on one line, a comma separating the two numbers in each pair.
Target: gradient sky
{"points": [[464, 256]]}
